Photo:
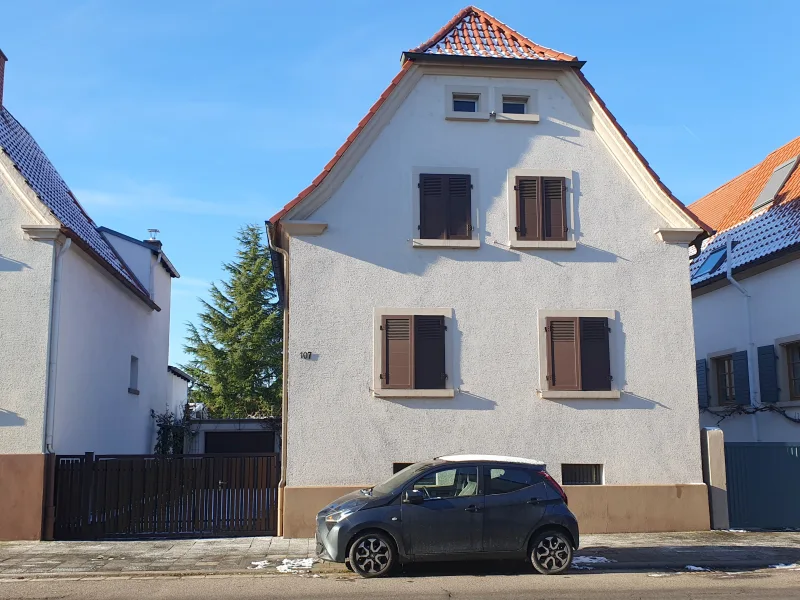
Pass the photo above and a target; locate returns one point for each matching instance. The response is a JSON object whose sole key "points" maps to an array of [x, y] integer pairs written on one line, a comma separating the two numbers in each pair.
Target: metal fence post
{"points": [[87, 489]]}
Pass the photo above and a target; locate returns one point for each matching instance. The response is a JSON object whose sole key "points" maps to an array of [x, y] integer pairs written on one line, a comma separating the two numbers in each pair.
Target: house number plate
{"points": [[306, 355]]}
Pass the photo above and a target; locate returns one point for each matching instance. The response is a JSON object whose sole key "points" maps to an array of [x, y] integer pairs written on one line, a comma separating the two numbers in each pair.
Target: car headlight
{"points": [[335, 517]]}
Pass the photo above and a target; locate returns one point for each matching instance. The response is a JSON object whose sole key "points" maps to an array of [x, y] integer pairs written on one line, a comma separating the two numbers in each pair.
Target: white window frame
{"points": [[616, 360], [712, 380], [531, 107], [482, 92], [571, 242], [475, 239], [377, 337]]}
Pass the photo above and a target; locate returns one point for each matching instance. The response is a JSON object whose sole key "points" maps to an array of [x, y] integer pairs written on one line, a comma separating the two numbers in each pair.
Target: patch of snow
{"points": [[298, 565], [784, 566], [735, 530], [261, 564], [662, 574], [584, 568], [693, 568], [590, 560]]}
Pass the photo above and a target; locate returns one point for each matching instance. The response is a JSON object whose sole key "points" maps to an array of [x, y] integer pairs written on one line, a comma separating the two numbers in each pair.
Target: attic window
{"points": [[515, 105], [465, 102], [712, 263], [775, 183]]}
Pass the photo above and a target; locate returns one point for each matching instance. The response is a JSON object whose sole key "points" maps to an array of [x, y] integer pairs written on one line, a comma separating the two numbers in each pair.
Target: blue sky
{"points": [[197, 117]]}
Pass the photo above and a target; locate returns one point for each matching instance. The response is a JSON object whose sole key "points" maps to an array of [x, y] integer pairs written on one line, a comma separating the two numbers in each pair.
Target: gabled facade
{"points": [[489, 266], [745, 285], [84, 328]]}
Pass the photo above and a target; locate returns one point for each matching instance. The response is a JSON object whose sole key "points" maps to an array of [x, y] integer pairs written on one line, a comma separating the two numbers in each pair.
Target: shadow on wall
{"points": [[627, 401], [10, 419], [9, 264], [462, 401]]}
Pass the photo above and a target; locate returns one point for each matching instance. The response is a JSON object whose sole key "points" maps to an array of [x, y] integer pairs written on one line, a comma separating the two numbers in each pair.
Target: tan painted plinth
{"points": [[599, 509], [21, 496]]}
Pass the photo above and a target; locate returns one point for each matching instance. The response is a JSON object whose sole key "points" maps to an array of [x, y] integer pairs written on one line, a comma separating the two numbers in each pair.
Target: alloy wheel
{"points": [[552, 553], [372, 555]]}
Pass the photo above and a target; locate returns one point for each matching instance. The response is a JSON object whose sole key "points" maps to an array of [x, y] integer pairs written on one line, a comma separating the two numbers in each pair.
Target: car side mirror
{"points": [[413, 497]]}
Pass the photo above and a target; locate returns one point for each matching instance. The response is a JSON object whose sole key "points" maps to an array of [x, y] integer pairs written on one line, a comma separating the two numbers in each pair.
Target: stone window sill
{"points": [[467, 116], [531, 245], [448, 393], [133, 391], [516, 118], [423, 243], [579, 395]]}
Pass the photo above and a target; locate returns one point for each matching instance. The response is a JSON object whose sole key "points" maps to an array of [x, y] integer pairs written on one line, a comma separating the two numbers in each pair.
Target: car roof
{"points": [[491, 458]]}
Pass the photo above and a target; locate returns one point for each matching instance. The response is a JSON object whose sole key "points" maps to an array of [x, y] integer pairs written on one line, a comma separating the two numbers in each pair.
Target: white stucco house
{"points": [[745, 289], [84, 328], [489, 265]]}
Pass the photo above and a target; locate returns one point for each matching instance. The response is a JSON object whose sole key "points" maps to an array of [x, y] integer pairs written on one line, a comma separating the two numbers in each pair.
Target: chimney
{"points": [[3, 60]]}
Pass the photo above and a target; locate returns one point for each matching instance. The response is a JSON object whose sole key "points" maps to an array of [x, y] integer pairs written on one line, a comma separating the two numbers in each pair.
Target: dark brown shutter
{"points": [[433, 207], [429, 362], [459, 207], [563, 353], [398, 361], [554, 211], [528, 208], [595, 354]]}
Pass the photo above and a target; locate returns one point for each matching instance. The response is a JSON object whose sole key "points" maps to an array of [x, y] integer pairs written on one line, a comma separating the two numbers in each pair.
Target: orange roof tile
{"points": [[732, 203]]}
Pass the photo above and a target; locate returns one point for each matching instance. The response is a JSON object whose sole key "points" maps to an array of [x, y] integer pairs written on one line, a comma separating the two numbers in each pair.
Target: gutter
{"points": [[55, 325], [422, 58], [284, 392], [751, 347]]}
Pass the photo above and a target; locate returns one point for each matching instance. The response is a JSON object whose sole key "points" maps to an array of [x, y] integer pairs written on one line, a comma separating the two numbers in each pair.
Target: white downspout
{"points": [[55, 324], [755, 401]]}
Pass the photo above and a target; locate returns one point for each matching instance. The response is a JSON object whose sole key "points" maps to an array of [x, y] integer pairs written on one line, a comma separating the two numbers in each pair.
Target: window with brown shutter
{"points": [[578, 354], [541, 208], [413, 352], [445, 207]]}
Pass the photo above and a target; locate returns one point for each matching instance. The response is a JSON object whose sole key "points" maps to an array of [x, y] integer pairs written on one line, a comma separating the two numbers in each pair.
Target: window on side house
{"points": [[465, 102], [445, 207], [577, 474], [541, 208], [578, 354], [793, 360], [133, 379], [413, 352], [726, 385], [515, 105]]}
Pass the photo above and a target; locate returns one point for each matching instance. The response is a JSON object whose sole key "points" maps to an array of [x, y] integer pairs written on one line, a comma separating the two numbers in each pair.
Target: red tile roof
{"points": [[730, 204], [473, 32]]}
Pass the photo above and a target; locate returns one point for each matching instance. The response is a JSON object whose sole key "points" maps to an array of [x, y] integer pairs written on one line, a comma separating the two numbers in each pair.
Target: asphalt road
{"points": [[585, 586]]}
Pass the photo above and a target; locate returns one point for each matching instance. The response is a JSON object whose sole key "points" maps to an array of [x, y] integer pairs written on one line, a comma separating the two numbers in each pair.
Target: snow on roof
{"points": [[491, 457]]}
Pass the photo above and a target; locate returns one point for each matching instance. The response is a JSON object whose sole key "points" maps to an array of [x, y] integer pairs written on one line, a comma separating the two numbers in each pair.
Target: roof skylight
{"points": [[775, 183], [712, 263]]}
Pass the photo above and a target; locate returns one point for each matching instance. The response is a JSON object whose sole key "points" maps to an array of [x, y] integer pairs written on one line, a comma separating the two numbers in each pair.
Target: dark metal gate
{"points": [[763, 484], [204, 495]]}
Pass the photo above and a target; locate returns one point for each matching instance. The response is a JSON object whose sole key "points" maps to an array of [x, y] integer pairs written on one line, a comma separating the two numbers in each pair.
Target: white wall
{"points": [[720, 324], [102, 325], [138, 259], [26, 272], [339, 434], [178, 392]]}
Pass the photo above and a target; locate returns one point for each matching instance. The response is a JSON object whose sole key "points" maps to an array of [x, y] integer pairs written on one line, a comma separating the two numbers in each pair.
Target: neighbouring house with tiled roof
{"points": [[746, 305], [84, 330], [488, 265]]}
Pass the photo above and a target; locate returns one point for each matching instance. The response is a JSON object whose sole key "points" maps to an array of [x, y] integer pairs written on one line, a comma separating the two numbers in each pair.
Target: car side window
{"points": [[504, 480], [457, 482]]}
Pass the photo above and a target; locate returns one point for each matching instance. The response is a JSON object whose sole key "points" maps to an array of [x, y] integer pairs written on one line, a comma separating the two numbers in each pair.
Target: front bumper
{"points": [[328, 546]]}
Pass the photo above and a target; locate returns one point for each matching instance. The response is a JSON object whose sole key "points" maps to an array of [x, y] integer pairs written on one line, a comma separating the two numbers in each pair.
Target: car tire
{"points": [[551, 552], [372, 555], [348, 565]]}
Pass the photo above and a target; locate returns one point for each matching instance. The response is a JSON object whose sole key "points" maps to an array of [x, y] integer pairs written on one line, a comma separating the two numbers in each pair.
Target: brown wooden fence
{"points": [[124, 496]]}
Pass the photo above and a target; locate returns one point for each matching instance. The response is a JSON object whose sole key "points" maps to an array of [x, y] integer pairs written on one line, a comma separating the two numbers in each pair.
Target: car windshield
{"points": [[401, 477]]}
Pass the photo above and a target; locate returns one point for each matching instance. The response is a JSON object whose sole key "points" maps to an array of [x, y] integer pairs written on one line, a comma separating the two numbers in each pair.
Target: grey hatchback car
{"points": [[463, 507]]}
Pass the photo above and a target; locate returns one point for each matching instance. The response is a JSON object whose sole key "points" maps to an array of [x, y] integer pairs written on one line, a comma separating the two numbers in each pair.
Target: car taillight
{"points": [[555, 485]]}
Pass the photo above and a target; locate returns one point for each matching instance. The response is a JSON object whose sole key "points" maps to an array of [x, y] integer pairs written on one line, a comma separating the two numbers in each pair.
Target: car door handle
{"points": [[534, 501], [472, 508]]}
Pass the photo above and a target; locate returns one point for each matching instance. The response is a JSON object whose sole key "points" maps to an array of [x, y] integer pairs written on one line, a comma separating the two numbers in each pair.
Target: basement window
{"points": [[581, 474]]}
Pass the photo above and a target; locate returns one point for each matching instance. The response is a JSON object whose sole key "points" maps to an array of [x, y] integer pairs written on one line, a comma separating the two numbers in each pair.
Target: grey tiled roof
{"points": [[759, 237], [42, 177]]}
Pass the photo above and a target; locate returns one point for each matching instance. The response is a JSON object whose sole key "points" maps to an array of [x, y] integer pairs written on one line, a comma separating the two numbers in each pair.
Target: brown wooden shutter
{"points": [[563, 353], [398, 347], [595, 354], [459, 207], [429, 361], [528, 208], [554, 208], [433, 207]]}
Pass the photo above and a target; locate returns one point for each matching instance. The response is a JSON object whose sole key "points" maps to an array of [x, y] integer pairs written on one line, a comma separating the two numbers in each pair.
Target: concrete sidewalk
{"points": [[653, 551]]}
